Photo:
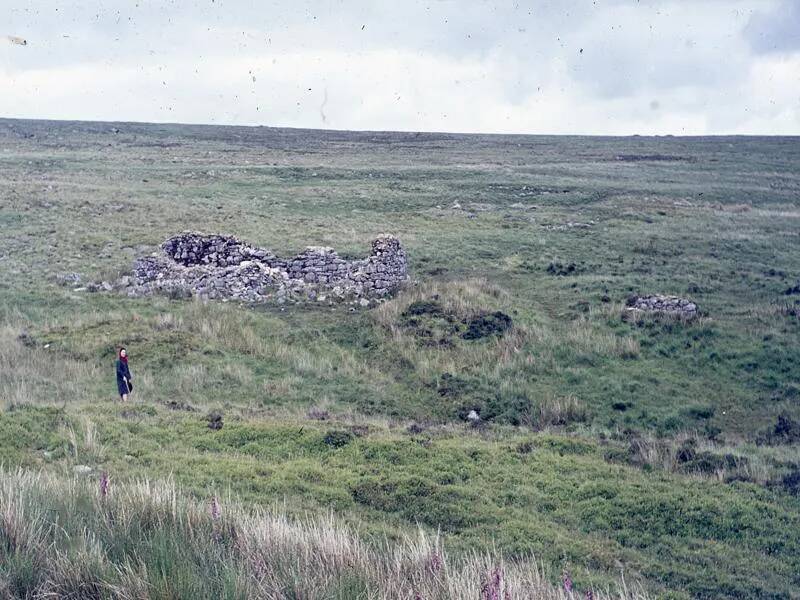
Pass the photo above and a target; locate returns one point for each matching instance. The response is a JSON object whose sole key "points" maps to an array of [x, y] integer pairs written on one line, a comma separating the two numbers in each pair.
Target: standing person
{"points": [[124, 385]]}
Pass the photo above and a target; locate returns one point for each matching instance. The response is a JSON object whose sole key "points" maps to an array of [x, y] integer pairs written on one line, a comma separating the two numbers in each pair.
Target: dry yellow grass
{"points": [[271, 555]]}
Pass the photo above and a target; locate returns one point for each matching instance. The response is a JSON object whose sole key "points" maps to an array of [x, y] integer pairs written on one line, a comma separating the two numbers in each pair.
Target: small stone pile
{"points": [[672, 305], [224, 267]]}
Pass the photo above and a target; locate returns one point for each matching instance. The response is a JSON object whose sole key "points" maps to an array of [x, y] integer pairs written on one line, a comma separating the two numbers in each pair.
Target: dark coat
{"points": [[123, 376]]}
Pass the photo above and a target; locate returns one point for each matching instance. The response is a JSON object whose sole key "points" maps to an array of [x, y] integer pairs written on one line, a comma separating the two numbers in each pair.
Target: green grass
{"points": [[558, 498], [585, 409], [78, 540]]}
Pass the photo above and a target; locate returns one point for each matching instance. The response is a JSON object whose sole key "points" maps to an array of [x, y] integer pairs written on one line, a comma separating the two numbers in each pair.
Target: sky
{"points": [[605, 67]]}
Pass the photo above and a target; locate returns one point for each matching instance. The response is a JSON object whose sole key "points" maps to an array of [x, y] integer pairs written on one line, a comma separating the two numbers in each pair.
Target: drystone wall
{"points": [[226, 268], [657, 303]]}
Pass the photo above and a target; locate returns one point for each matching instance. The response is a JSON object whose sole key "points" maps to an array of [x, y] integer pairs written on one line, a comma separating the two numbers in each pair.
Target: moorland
{"points": [[612, 445]]}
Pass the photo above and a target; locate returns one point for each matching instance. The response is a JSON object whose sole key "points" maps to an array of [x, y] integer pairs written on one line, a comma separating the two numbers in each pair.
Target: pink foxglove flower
{"points": [[567, 582], [105, 484], [435, 562], [491, 589]]}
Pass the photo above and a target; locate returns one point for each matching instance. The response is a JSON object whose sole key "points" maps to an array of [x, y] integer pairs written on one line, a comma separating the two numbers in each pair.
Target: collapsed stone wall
{"points": [[224, 267], [657, 303]]}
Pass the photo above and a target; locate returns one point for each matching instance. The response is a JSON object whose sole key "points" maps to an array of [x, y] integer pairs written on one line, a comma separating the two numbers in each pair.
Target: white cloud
{"points": [[645, 67]]}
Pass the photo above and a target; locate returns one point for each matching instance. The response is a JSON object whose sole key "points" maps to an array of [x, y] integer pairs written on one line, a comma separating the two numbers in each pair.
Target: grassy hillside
{"points": [[661, 448]]}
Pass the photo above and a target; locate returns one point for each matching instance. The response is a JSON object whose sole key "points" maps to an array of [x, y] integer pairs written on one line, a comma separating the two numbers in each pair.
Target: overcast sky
{"points": [[606, 67]]}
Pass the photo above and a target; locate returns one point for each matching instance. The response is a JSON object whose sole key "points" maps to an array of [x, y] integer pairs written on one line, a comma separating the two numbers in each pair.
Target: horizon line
{"points": [[401, 131]]}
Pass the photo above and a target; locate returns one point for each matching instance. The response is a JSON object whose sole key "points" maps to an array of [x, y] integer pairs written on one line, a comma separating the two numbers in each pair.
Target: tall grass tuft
{"points": [[31, 373], [69, 538], [559, 411]]}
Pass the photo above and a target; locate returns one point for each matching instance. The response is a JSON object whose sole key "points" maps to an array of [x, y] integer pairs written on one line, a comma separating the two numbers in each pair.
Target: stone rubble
{"points": [[226, 268], [68, 279], [570, 225], [657, 303]]}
